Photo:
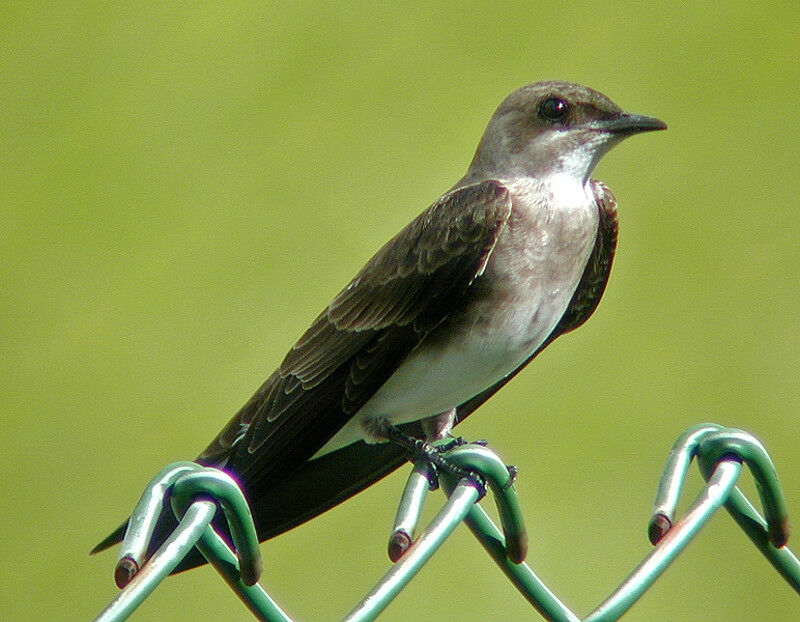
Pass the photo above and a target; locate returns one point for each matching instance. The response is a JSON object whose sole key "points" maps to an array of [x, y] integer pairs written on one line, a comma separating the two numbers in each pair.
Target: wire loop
{"points": [[196, 494]]}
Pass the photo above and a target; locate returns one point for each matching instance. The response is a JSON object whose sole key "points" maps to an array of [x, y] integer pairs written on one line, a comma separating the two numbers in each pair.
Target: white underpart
{"points": [[536, 266]]}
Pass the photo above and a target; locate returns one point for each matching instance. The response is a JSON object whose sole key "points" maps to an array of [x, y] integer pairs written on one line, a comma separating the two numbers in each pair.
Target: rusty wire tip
{"points": [[399, 543], [517, 550], [125, 571], [659, 525], [779, 533], [251, 574]]}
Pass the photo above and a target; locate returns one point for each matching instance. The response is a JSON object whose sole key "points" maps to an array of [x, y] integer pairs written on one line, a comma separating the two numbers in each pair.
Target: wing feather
{"points": [[406, 289]]}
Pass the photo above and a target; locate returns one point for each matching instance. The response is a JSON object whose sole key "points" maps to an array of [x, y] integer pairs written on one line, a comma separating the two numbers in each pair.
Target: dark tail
{"points": [[115, 537], [164, 527], [281, 505]]}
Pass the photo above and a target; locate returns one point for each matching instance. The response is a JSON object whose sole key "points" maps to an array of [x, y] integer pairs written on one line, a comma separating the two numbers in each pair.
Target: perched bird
{"points": [[515, 254]]}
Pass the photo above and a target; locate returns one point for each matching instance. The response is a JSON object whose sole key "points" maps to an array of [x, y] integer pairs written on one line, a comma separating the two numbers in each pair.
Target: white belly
{"points": [[533, 279]]}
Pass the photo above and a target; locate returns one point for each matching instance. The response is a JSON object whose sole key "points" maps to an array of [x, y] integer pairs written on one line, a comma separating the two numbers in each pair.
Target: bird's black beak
{"points": [[628, 124]]}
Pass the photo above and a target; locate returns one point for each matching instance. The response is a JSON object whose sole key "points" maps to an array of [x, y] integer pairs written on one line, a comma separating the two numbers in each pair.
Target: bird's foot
{"points": [[421, 450]]}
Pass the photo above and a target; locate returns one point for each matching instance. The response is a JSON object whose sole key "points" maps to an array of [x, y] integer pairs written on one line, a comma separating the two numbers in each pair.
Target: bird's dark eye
{"points": [[554, 110]]}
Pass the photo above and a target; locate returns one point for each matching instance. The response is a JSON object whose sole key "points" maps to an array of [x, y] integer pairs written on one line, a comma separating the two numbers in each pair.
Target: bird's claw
{"points": [[433, 455], [513, 471]]}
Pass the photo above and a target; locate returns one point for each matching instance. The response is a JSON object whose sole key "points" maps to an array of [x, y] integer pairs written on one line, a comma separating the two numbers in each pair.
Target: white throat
{"points": [[568, 190]]}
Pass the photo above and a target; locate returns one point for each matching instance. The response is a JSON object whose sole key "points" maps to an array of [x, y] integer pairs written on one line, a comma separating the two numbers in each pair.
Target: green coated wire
{"points": [[720, 453], [223, 489], [179, 543], [461, 500]]}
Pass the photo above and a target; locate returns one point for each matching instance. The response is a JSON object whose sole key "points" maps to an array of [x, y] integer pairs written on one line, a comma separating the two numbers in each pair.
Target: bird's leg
{"points": [[423, 450], [439, 426]]}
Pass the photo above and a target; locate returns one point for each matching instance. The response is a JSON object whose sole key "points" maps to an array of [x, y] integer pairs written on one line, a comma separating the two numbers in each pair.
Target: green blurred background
{"points": [[184, 186]]}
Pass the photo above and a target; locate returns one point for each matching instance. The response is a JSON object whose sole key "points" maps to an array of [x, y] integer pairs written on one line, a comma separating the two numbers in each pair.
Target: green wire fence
{"points": [[190, 488]]}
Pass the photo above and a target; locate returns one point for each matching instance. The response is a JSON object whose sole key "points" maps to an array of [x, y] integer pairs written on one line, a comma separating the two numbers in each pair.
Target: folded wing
{"points": [[408, 288]]}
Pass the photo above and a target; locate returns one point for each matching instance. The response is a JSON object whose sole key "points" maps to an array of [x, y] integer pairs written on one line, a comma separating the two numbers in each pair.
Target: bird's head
{"points": [[551, 128]]}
